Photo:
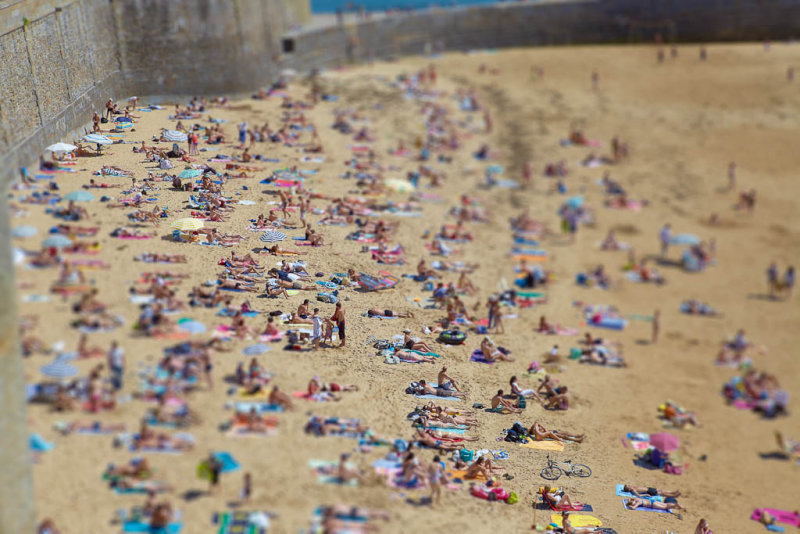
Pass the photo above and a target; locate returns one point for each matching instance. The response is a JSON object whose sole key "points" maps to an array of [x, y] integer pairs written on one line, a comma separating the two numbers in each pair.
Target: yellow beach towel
{"points": [[577, 520], [544, 445]]}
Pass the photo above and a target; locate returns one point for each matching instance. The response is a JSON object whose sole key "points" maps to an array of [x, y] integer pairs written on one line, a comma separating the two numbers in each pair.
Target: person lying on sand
{"points": [[410, 344], [633, 504], [445, 415], [276, 250], [375, 312], [315, 385], [137, 468], [148, 439], [425, 439], [540, 433], [414, 357], [642, 491]]}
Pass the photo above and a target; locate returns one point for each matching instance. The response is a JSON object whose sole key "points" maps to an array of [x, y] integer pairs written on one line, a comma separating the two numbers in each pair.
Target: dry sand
{"points": [[684, 121]]}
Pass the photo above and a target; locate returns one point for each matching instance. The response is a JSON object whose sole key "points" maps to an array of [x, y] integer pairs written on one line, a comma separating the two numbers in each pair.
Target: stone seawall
{"points": [[61, 60]]}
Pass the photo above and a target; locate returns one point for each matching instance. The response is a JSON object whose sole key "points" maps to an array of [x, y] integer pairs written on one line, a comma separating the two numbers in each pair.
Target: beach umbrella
{"points": [[175, 136], [61, 147], [58, 369], [23, 231], [665, 442], [272, 236], [98, 139], [193, 327], [255, 350], [79, 196], [399, 186], [190, 173], [57, 241], [188, 223]]}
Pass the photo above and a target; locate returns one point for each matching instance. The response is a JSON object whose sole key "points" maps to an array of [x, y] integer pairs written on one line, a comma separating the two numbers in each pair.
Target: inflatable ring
{"points": [[452, 337]]}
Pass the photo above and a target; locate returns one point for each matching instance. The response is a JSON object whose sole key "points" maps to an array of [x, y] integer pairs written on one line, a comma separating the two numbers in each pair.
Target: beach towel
{"points": [[543, 445], [620, 493], [477, 356], [437, 397], [325, 469], [781, 516], [141, 527], [241, 431], [241, 522], [642, 509], [260, 407], [577, 520]]}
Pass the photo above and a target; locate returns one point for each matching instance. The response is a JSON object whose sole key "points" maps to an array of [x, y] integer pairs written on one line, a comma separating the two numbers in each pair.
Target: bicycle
{"points": [[553, 472]]}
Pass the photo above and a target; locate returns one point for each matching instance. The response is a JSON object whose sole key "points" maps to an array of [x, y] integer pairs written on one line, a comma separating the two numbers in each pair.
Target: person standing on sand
{"points": [[116, 364], [338, 318], [595, 80], [214, 470], [656, 325], [731, 176], [664, 236], [788, 281], [316, 332], [703, 53], [772, 279], [435, 479], [247, 488]]}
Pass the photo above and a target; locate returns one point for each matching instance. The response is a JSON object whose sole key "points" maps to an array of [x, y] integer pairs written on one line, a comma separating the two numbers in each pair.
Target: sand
{"points": [[684, 121]]}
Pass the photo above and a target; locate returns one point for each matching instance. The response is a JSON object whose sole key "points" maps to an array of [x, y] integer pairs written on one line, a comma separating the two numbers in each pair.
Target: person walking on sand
{"points": [[772, 279], [435, 480], [116, 364], [788, 281], [595, 79], [338, 318], [664, 236], [656, 325]]}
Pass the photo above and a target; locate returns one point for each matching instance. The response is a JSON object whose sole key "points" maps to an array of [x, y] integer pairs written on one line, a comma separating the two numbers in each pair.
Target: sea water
{"points": [[330, 6]]}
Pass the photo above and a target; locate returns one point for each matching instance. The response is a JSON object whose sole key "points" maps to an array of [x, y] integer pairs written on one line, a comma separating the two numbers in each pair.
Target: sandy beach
{"points": [[683, 120]]}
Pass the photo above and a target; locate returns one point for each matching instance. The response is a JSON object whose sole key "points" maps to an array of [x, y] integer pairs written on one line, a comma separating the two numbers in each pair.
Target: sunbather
{"points": [[558, 500], [633, 504], [540, 433], [278, 397], [425, 439], [642, 491], [501, 405], [491, 353]]}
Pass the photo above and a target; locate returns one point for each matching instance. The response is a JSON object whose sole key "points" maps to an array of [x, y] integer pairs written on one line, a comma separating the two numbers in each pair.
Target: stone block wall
{"points": [[72, 55]]}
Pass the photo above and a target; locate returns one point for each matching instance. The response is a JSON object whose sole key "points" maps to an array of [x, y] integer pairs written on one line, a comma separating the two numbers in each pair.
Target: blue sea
{"points": [[330, 6]]}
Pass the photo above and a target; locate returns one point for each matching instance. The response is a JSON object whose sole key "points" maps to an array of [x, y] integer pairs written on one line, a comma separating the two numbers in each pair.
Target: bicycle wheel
{"points": [[581, 470], [552, 472]]}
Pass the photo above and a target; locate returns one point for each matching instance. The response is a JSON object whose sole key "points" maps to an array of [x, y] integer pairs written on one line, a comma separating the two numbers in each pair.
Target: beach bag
{"points": [[518, 428], [466, 455], [522, 403], [103, 120], [512, 437], [512, 498], [330, 298]]}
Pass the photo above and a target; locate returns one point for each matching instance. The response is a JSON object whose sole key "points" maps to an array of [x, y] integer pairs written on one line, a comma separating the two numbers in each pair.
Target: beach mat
{"points": [[543, 445], [577, 520]]}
